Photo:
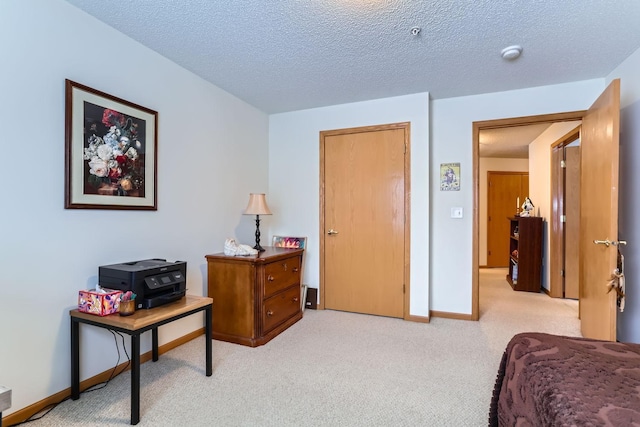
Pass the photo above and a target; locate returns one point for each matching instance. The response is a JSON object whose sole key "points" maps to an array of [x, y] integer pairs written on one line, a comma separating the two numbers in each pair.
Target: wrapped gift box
{"points": [[99, 303]]}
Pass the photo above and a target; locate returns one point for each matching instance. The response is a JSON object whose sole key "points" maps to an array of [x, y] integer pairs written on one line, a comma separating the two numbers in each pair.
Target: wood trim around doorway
{"points": [[476, 128], [557, 241]]}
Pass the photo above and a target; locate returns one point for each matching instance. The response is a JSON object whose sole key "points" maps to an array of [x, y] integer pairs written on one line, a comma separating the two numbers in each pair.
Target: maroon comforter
{"points": [[548, 380]]}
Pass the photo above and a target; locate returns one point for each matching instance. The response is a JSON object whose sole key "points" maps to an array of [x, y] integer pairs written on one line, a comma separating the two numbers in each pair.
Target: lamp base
{"points": [[257, 246]]}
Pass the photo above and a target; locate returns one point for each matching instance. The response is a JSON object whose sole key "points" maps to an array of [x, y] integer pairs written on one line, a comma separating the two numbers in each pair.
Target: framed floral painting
{"points": [[110, 151]]}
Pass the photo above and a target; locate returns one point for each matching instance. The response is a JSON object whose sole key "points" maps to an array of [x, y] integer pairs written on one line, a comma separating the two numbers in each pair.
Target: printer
{"points": [[154, 281]]}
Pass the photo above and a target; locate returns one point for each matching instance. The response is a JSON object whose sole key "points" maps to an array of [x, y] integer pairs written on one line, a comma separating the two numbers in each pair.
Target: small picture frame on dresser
{"points": [[295, 243], [289, 242]]}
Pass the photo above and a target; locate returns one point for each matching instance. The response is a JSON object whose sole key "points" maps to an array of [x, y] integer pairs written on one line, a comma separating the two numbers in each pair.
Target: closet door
{"points": [[504, 189]]}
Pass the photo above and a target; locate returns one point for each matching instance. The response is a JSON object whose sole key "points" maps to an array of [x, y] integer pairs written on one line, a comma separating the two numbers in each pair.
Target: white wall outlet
{"points": [[456, 212]]}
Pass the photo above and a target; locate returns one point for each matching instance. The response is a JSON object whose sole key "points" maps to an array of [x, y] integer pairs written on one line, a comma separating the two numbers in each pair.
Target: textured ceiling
{"points": [[510, 142], [285, 55]]}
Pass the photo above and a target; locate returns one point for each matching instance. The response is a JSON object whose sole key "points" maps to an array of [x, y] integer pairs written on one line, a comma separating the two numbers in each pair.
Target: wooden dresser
{"points": [[255, 298]]}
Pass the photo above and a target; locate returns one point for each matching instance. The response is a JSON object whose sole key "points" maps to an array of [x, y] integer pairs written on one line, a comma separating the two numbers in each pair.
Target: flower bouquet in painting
{"points": [[113, 152]]}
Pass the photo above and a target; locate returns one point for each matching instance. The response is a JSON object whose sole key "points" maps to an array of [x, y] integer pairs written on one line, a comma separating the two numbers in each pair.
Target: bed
{"points": [[549, 380]]}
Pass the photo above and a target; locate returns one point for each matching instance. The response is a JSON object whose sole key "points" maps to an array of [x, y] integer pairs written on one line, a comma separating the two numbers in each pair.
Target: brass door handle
{"points": [[332, 231], [270, 278], [608, 243]]}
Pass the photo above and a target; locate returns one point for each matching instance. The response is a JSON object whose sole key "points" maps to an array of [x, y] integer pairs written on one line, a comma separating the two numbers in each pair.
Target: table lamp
{"points": [[257, 206]]}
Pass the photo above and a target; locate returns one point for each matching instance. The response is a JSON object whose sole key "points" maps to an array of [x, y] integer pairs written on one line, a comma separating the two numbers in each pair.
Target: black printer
{"points": [[154, 281]]}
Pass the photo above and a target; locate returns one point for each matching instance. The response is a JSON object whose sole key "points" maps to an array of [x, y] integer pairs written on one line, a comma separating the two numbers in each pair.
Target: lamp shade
{"points": [[257, 205]]}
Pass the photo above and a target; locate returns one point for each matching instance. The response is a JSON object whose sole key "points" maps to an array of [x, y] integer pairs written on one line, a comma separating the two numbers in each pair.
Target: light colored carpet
{"points": [[335, 369]]}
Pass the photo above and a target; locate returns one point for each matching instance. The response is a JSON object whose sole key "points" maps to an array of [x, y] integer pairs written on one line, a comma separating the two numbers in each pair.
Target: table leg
{"points": [[154, 344], [208, 339], [135, 379], [75, 359]]}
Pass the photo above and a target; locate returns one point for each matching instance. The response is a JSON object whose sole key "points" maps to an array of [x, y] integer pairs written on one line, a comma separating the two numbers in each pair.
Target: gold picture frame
{"points": [[110, 151]]}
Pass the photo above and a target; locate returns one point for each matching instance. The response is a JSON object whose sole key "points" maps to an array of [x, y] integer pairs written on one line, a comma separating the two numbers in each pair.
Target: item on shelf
{"points": [[515, 253], [155, 281], [527, 208], [99, 301], [127, 308], [257, 206], [127, 303], [233, 248]]}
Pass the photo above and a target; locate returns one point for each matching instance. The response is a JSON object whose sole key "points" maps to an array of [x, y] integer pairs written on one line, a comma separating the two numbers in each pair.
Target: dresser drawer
{"points": [[280, 275], [280, 307]]}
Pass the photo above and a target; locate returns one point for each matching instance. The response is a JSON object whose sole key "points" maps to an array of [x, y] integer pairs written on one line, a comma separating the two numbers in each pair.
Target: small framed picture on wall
{"points": [[450, 177]]}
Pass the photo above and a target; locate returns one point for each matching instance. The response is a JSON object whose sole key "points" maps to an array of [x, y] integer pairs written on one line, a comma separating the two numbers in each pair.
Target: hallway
{"points": [[524, 311]]}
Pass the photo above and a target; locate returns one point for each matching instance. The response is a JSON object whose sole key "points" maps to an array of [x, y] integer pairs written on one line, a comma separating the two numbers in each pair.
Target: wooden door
{"points": [[572, 226], [599, 213], [503, 191], [363, 208], [557, 235]]}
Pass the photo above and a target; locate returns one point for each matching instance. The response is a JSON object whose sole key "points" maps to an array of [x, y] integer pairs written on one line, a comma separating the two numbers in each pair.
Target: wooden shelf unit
{"points": [[525, 269]]}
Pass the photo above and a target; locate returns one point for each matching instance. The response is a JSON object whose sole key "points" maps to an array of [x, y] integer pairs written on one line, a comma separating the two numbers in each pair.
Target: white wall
{"points": [[629, 228], [212, 151], [540, 182], [294, 160], [485, 165], [211, 154], [451, 141]]}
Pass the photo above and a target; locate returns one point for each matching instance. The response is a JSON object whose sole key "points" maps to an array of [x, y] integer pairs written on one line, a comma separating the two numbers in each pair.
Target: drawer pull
{"points": [[269, 313], [284, 266], [296, 299], [270, 278], [295, 269]]}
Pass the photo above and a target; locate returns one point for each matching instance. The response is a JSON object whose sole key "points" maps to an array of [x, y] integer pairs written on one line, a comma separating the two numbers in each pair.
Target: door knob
{"points": [[332, 231], [607, 242]]}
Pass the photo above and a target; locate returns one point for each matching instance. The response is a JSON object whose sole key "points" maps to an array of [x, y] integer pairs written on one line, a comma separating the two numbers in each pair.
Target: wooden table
{"points": [[134, 325]]}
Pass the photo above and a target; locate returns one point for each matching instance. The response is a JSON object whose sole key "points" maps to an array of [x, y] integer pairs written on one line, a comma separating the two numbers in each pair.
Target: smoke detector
{"points": [[512, 52]]}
